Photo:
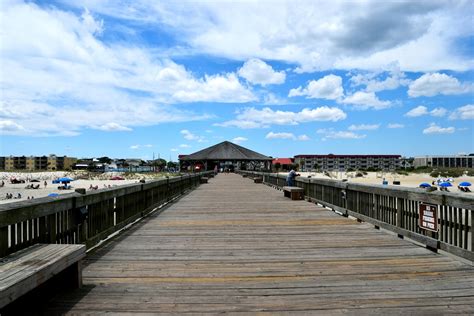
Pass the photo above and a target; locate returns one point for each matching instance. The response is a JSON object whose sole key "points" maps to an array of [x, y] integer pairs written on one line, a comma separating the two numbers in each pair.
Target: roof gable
{"points": [[226, 151]]}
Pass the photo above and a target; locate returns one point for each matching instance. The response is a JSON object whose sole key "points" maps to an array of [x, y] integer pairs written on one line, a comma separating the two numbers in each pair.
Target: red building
{"points": [[285, 163]]}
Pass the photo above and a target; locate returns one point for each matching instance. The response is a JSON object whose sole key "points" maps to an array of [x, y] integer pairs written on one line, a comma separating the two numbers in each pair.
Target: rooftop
{"points": [[225, 151]]}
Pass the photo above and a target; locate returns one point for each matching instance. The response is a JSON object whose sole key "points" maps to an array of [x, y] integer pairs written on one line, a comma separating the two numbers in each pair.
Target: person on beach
{"points": [[290, 179]]}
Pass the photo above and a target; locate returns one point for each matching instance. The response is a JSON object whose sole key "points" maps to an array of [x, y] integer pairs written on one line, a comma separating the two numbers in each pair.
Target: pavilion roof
{"points": [[225, 151]]}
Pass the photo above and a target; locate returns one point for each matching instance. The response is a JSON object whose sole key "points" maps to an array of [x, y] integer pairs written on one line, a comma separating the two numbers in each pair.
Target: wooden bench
{"points": [[294, 193], [29, 268], [258, 180], [203, 180]]}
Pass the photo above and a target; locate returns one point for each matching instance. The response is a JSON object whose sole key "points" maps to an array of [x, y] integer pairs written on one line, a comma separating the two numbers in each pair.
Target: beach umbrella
{"points": [[53, 194], [425, 185], [445, 184], [465, 184], [65, 180]]}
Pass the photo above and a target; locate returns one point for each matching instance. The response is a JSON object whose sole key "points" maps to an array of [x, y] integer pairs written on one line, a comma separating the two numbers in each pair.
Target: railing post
{"points": [[3, 241], [472, 228], [400, 215]]}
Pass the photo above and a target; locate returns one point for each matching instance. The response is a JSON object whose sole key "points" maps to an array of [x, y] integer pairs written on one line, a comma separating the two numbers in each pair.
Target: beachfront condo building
{"points": [[347, 162], [458, 161], [37, 163]]}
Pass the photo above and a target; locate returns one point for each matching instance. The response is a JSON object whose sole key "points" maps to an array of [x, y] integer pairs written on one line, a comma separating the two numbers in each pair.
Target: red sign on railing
{"points": [[429, 216]]}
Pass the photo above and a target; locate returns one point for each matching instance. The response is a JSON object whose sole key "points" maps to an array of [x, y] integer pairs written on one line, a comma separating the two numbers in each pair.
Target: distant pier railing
{"points": [[394, 208], [87, 218]]}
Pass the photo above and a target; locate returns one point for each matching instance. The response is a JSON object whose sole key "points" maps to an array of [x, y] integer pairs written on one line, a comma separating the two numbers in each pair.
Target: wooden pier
{"points": [[238, 247]]}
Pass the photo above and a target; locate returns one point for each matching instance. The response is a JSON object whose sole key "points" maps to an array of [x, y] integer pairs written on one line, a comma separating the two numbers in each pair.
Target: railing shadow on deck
{"points": [[394, 208], [87, 218]]}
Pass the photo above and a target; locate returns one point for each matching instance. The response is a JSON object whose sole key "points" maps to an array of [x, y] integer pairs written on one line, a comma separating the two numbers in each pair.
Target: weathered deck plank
{"points": [[239, 247]]}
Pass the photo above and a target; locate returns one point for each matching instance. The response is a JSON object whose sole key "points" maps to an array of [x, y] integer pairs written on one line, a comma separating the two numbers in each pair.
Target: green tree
{"points": [[295, 166], [159, 163], [171, 164], [105, 159], [277, 166]]}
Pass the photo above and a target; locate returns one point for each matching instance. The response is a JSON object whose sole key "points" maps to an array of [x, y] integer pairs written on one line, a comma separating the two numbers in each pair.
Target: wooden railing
{"points": [[85, 218], [394, 208]]}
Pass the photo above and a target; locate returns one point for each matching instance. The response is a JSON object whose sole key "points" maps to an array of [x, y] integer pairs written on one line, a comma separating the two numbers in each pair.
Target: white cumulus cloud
{"points": [[438, 112], [431, 84], [62, 70], [375, 81], [435, 129], [254, 118], [257, 71], [188, 135], [138, 146], [286, 135], [239, 139], [314, 35], [328, 87], [423, 110], [282, 135], [114, 127], [366, 100], [9, 127], [463, 113], [418, 111], [333, 134], [364, 127]]}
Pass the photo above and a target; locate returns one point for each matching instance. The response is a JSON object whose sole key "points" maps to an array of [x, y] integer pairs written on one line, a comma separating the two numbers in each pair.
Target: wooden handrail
{"points": [[394, 208], [85, 218]]}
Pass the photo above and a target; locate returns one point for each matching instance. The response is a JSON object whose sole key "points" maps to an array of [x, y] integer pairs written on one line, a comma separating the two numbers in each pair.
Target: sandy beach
{"points": [[85, 180], [101, 181], [412, 180]]}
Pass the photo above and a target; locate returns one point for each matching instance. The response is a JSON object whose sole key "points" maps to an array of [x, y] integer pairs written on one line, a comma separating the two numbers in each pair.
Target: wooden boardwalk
{"points": [[238, 247]]}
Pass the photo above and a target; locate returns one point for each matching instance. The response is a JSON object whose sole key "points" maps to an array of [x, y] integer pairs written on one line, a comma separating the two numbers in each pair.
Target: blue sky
{"points": [[133, 78]]}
